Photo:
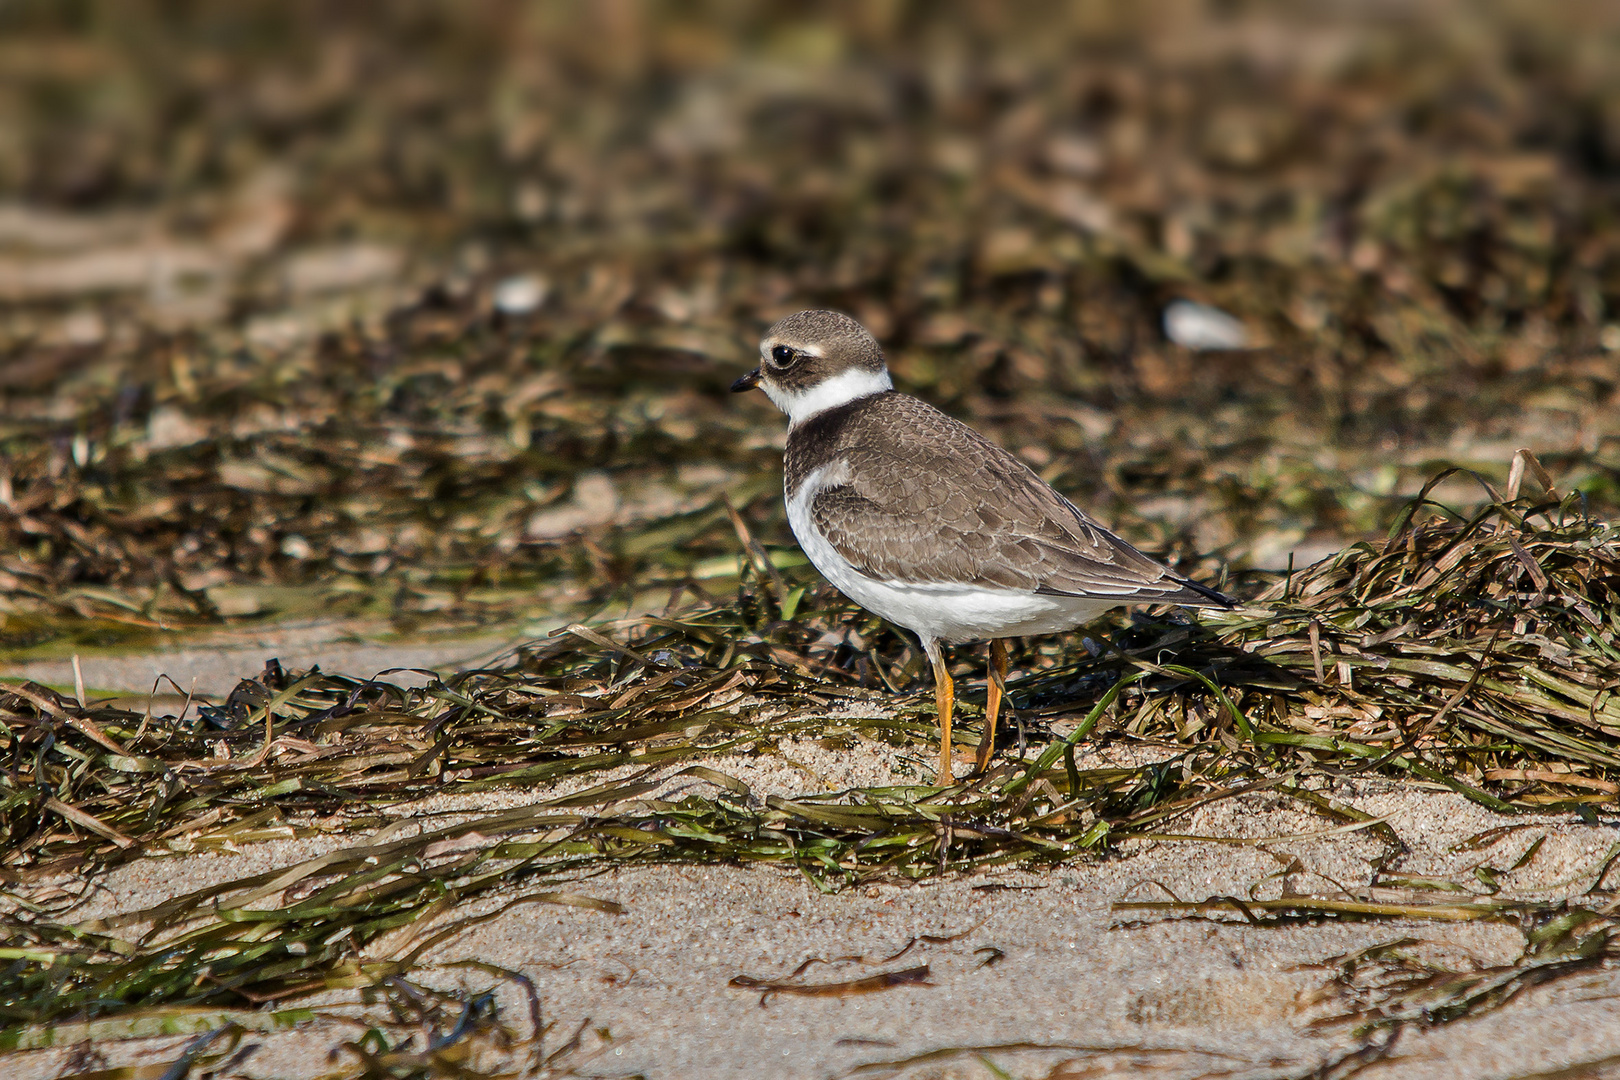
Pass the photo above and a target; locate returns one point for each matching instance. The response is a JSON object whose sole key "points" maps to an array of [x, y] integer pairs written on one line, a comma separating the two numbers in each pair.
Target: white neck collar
{"points": [[841, 389]]}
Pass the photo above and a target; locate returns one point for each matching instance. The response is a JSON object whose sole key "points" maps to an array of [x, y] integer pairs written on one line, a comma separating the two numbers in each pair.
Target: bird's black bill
{"points": [[747, 382]]}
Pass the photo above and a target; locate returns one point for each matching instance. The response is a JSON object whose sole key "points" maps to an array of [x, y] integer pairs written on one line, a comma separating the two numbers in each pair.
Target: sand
{"points": [[1029, 974], [212, 663]]}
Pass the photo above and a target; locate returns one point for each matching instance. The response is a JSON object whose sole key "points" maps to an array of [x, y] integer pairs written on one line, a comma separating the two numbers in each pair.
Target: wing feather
{"points": [[920, 497]]}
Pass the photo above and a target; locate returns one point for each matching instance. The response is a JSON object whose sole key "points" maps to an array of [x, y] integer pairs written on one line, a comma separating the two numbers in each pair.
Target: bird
{"points": [[928, 524]]}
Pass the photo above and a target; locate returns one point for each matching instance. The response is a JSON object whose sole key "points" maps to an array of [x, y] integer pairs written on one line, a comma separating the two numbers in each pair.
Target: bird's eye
{"points": [[781, 355]]}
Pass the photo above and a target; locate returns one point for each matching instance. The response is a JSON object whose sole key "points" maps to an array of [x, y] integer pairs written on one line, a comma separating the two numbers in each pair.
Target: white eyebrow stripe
{"points": [[765, 348]]}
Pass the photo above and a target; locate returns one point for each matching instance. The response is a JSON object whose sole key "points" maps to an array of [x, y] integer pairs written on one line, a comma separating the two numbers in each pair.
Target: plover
{"points": [[920, 519]]}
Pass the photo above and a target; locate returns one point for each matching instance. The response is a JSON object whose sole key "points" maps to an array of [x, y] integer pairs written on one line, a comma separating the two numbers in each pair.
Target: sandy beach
{"points": [[725, 971]]}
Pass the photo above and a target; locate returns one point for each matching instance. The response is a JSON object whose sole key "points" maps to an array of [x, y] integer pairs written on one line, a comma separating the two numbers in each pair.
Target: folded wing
{"points": [[966, 510]]}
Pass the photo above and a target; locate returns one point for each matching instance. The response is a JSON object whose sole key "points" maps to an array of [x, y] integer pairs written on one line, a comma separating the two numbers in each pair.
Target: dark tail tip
{"points": [[1219, 599]]}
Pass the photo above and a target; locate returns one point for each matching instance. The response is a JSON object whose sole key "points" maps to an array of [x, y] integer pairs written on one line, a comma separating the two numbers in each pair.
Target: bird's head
{"points": [[816, 360]]}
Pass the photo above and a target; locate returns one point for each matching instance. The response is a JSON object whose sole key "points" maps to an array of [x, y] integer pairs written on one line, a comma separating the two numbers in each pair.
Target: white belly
{"points": [[940, 611]]}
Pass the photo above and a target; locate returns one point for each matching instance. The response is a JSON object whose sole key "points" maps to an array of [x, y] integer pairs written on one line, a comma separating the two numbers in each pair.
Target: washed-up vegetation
{"points": [[426, 313], [1501, 689], [421, 316]]}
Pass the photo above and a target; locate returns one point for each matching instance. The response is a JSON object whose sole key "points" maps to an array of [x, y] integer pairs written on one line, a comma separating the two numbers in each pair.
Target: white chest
{"points": [[940, 611]]}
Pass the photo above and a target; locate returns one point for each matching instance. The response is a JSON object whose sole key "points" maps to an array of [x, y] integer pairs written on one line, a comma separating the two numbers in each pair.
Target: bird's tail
{"points": [[1195, 595]]}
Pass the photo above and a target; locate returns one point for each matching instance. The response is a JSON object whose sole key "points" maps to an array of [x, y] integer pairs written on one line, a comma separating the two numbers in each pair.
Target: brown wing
{"points": [[960, 508]]}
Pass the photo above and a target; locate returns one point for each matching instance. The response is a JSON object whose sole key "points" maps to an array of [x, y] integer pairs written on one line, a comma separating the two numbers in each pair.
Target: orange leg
{"points": [[995, 693], [945, 699]]}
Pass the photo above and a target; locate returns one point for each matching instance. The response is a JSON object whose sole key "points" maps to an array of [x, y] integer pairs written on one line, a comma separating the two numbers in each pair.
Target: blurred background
{"points": [[423, 312]]}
